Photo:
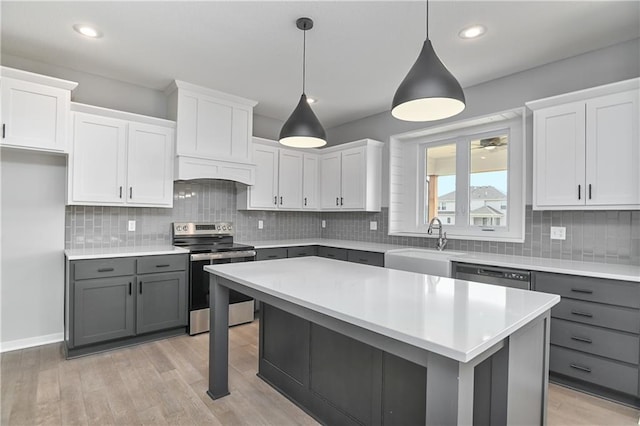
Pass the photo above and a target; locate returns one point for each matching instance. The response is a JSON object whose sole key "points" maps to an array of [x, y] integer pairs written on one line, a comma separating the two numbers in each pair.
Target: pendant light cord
{"points": [[427, 20], [304, 60]]}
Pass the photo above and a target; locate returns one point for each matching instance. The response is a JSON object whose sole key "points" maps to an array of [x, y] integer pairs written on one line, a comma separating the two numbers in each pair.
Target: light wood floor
{"points": [[164, 382]]}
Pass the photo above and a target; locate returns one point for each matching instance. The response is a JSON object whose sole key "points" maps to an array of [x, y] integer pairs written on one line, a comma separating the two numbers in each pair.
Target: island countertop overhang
{"points": [[454, 318]]}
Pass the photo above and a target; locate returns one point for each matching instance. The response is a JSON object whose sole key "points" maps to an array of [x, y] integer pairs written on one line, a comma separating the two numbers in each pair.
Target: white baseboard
{"points": [[13, 345]]}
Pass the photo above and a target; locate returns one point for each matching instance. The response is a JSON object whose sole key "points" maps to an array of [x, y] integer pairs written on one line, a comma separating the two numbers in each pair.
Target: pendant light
{"points": [[303, 129], [429, 91]]}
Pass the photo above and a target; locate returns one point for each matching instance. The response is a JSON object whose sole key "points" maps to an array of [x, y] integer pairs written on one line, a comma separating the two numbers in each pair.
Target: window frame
{"points": [[408, 162]]}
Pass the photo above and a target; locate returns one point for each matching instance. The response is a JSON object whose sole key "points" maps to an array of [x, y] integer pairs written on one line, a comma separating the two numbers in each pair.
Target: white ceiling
{"points": [[357, 53]]}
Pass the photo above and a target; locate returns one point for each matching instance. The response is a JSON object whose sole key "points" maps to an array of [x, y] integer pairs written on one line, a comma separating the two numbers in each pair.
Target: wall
{"points": [[592, 236], [108, 93], [32, 261], [615, 63], [212, 200]]}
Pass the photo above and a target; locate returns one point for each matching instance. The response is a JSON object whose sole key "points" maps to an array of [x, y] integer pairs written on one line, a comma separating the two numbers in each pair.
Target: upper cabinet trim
{"points": [[177, 84], [37, 78]]}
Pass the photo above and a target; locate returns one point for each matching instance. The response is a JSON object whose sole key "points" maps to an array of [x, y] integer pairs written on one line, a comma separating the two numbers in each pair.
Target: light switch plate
{"points": [[260, 224], [558, 233], [324, 223], [373, 225], [132, 225]]}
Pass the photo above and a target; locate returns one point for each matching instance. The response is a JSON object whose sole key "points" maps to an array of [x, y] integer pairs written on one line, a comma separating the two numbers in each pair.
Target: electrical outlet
{"points": [[324, 223], [260, 224], [373, 225], [132, 225], [558, 233]]}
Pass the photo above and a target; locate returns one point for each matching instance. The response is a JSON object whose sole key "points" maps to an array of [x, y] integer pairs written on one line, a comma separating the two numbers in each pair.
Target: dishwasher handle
{"points": [[489, 273]]}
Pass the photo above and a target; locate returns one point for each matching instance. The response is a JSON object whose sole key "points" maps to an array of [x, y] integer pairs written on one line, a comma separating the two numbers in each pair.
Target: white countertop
{"points": [[345, 244], [590, 269], [100, 253], [454, 318]]}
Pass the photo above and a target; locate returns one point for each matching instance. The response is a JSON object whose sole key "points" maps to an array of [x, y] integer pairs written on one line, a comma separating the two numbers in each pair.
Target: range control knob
{"points": [[229, 227], [224, 228]]}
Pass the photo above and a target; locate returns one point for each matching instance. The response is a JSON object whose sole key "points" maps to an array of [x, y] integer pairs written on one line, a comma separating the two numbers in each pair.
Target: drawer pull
{"points": [[331, 255], [582, 314], [140, 287], [272, 256], [580, 367], [129, 288], [581, 339], [581, 290], [105, 270], [163, 266]]}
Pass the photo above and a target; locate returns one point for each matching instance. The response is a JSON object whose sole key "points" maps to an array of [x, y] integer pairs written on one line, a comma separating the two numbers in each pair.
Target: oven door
{"points": [[241, 306]]}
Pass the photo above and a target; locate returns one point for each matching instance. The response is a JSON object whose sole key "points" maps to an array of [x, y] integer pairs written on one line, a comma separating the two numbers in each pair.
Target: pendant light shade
{"points": [[429, 91], [303, 129]]}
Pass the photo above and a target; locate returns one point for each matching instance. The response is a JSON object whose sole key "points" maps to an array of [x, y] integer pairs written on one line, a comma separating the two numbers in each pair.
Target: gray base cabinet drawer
{"points": [[271, 253], [165, 263], [302, 251], [598, 341], [610, 374], [617, 318], [613, 292], [102, 268], [332, 253], [365, 257]]}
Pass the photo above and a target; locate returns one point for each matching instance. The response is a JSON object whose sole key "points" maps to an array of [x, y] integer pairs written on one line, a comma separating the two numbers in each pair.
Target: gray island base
{"points": [[343, 370]]}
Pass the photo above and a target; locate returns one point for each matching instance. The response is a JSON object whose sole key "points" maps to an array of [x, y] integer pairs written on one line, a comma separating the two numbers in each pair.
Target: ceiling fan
{"points": [[491, 143]]}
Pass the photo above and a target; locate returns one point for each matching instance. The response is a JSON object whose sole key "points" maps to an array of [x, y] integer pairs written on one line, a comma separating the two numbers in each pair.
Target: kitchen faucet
{"points": [[442, 239]]}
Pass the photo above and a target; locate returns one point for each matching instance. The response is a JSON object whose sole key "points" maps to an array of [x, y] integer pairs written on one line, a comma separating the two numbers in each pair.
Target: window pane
{"points": [[488, 202], [440, 190]]}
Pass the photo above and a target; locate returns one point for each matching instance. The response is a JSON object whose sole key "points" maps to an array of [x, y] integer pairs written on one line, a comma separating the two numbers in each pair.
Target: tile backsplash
{"points": [[591, 236], [194, 201]]}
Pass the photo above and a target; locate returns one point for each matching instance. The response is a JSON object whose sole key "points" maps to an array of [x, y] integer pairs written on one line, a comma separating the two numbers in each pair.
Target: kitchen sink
{"points": [[424, 261]]}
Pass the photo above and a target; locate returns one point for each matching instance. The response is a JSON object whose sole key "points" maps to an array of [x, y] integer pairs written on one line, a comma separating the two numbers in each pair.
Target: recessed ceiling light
{"points": [[311, 100], [473, 31], [87, 31]]}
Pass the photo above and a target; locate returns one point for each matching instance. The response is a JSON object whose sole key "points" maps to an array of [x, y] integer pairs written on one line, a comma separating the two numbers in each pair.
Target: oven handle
{"points": [[223, 255]]}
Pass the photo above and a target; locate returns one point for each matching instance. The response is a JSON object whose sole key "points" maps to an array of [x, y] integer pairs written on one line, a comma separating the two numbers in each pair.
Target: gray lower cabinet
{"points": [[104, 309], [118, 301], [356, 256], [161, 301], [595, 334]]}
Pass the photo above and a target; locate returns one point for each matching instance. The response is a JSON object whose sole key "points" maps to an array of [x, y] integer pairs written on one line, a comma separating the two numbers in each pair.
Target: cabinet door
{"points": [[161, 302], [263, 194], [150, 165], [98, 160], [330, 176], [290, 180], [310, 182], [613, 150], [353, 178], [559, 155], [103, 309], [34, 115]]}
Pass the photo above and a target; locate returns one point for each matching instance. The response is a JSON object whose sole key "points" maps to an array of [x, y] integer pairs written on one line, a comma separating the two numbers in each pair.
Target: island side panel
{"points": [[218, 338]]}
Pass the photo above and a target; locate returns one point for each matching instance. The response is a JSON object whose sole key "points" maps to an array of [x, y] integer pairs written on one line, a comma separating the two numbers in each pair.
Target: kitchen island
{"points": [[353, 343]]}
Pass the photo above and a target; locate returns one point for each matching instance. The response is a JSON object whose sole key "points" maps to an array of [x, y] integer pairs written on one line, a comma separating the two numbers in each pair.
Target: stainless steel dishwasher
{"points": [[506, 277]]}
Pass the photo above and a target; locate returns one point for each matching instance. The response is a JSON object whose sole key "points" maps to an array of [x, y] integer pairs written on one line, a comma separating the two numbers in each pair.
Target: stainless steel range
{"points": [[212, 243]]}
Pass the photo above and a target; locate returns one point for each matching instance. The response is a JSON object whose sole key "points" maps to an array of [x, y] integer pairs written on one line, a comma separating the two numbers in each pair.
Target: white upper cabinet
{"points": [[310, 194], [35, 111], [120, 159], [213, 133], [587, 149], [279, 179], [351, 176], [150, 165]]}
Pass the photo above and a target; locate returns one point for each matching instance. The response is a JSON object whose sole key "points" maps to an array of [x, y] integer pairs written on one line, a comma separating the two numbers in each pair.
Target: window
{"points": [[469, 175]]}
